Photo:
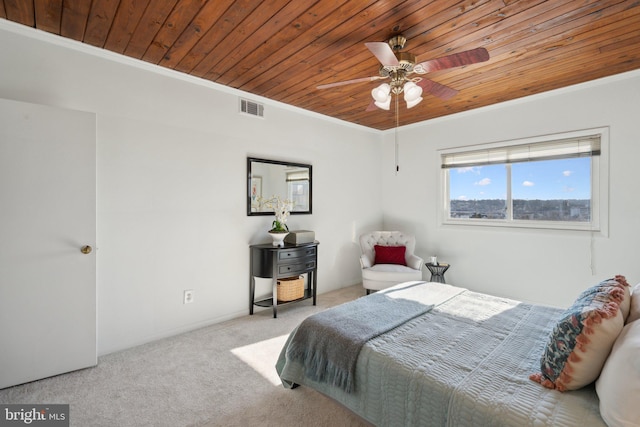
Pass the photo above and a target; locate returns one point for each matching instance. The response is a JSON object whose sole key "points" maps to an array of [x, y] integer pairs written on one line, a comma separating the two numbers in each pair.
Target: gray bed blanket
{"points": [[327, 344]]}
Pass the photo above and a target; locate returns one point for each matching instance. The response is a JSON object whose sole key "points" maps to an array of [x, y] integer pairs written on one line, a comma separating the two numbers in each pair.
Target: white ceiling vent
{"points": [[251, 108]]}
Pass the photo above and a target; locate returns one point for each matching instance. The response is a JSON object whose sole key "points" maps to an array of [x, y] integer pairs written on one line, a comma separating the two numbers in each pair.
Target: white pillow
{"points": [[634, 312], [625, 304], [618, 386]]}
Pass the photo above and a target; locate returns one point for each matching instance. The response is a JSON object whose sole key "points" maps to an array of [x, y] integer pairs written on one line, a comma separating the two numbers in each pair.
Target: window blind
{"points": [[549, 150], [298, 176]]}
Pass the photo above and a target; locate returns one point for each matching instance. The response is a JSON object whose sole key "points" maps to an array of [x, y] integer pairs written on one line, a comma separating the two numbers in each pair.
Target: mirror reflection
{"points": [[270, 178]]}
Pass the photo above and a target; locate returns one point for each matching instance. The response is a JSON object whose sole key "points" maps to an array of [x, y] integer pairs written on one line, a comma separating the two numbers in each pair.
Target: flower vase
{"points": [[278, 237]]}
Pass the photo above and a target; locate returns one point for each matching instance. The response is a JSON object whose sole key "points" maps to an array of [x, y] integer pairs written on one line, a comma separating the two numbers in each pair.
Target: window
{"points": [[298, 189], [547, 182]]}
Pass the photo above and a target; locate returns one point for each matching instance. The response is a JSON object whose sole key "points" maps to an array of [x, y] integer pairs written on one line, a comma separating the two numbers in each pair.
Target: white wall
{"points": [[171, 173], [536, 265]]}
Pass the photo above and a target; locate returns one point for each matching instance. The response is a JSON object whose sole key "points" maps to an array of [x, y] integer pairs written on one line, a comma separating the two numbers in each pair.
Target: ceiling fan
{"points": [[400, 66]]}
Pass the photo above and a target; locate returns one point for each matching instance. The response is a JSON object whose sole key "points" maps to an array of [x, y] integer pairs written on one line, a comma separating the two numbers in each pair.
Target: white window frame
{"points": [[599, 186]]}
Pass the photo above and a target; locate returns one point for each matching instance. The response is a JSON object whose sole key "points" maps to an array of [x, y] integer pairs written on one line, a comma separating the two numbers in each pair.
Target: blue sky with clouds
{"points": [[544, 180]]}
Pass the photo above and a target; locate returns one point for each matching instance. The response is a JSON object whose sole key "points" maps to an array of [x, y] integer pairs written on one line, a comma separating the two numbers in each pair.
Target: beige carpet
{"points": [[222, 375]]}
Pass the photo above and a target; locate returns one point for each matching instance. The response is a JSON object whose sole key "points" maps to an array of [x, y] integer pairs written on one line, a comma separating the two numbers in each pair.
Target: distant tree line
{"points": [[542, 210]]}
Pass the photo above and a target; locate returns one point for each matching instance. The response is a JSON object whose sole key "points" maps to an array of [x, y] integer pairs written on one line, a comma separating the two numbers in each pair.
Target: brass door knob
{"points": [[86, 249]]}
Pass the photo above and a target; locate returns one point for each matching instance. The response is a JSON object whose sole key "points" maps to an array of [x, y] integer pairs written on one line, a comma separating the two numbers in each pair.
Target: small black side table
{"points": [[437, 271], [276, 262]]}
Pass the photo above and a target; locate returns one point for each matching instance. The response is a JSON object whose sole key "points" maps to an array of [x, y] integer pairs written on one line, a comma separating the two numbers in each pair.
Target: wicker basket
{"points": [[290, 288]]}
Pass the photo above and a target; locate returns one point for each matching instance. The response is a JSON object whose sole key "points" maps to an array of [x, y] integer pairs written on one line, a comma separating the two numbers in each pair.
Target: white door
{"points": [[47, 214]]}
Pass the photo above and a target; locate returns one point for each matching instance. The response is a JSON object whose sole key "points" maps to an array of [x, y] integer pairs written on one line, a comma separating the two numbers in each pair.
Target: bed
{"points": [[459, 358]]}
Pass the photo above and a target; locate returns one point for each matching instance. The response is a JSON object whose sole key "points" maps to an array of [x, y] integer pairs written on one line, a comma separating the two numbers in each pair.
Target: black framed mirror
{"points": [[269, 178]]}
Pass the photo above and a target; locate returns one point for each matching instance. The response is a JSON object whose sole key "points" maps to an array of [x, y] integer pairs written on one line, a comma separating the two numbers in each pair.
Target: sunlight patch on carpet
{"points": [[262, 357]]}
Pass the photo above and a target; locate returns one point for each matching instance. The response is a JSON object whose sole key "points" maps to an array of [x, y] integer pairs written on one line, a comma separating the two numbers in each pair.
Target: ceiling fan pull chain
{"points": [[396, 136]]}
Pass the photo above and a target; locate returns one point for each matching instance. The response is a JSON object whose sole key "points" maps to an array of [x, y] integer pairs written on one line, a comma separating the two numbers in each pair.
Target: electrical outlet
{"points": [[188, 296]]}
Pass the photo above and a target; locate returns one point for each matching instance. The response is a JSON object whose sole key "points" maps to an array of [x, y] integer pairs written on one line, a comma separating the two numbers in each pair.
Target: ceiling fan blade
{"points": [[372, 106], [472, 56], [437, 89], [383, 52], [348, 82]]}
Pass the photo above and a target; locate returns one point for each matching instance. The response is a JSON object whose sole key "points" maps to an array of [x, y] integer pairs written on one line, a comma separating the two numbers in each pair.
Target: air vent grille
{"points": [[251, 108]]}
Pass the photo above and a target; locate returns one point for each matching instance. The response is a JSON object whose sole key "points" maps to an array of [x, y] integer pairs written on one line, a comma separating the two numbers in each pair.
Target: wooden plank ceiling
{"points": [[283, 50]]}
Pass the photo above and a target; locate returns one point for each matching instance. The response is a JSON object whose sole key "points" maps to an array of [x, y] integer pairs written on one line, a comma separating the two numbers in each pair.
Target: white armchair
{"points": [[380, 276]]}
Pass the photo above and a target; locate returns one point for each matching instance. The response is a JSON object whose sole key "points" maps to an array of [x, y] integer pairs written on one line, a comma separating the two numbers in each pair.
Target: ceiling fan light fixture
{"points": [[411, 104], [382, 96], [412, 94], [385, 105], [381, 93], [412, 91]]}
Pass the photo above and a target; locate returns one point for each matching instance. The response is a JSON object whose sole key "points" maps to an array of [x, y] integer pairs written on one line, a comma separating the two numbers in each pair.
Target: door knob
{"points": [[86, 249]]}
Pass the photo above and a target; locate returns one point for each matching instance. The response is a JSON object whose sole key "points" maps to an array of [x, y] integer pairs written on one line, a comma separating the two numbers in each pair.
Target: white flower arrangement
{"points": [[282, 209]]}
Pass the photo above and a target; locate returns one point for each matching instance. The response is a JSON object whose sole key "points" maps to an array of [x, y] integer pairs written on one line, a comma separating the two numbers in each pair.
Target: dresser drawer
{"points": [[296, 268], [297, 253]]}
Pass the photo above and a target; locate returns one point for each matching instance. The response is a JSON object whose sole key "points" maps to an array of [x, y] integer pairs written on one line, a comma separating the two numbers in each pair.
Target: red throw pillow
{"points": [[390, 254]]}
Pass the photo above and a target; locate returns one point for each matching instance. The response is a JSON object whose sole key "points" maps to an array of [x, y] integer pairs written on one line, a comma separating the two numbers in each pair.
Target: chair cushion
{"points": [[390, 254], [391, 273]]}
